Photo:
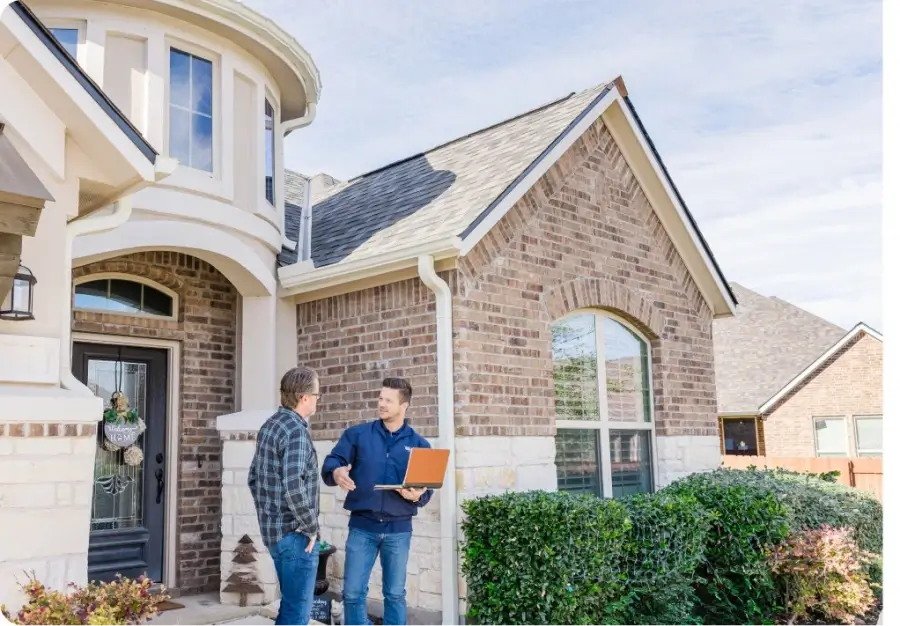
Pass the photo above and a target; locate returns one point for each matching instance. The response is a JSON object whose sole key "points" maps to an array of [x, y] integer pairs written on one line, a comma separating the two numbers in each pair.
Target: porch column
{"points": [[259, 380]]}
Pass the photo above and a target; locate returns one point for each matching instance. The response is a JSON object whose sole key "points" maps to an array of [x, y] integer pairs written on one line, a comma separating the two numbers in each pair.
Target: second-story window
{"points": [[68, 37], [270, 153], [191, 110]]}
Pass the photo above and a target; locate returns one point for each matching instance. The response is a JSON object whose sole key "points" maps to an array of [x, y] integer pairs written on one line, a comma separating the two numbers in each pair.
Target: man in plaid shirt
{"points": [[284, 481]]}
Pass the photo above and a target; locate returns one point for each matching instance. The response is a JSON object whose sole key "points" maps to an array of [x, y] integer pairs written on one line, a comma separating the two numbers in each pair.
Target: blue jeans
{"points": [[362, 548], [296, 571]]}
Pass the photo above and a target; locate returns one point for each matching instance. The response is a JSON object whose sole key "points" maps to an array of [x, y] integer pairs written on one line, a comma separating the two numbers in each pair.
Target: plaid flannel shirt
{"points": [[284, 478]]}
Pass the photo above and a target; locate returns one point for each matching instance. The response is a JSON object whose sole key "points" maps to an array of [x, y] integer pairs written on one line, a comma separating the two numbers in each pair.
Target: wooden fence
{"points": [[862, 473]]}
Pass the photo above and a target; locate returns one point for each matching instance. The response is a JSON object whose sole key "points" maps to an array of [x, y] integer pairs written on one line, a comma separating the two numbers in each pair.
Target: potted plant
{"points": [[325, 551]]}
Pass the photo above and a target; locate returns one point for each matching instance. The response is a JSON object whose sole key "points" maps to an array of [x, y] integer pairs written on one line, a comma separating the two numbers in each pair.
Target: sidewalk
{"points": [[207, 610]]}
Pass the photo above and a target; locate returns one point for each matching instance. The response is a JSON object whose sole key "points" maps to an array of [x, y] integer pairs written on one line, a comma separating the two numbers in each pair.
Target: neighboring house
{"points": [[540, 282], [791, 384]]}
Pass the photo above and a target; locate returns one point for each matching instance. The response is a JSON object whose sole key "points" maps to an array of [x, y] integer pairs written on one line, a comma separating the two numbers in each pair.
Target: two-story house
{"points": [[541, 283], [165, 294]]}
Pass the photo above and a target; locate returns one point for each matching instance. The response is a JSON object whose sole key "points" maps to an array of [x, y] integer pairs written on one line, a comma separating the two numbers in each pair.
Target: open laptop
{"points": [[425, 470]]}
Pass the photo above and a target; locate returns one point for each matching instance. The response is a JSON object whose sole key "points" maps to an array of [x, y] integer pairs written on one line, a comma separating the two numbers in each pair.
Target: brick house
{"points": [[565, 256], [540, 282], [791, 384]]}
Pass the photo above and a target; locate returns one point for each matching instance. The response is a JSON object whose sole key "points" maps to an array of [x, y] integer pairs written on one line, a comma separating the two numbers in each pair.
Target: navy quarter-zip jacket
{"points": [[377, 457]]}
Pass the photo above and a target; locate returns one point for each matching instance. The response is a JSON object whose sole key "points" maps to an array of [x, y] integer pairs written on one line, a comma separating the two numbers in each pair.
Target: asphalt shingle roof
{"points": [[433, 195], [763, 347]]}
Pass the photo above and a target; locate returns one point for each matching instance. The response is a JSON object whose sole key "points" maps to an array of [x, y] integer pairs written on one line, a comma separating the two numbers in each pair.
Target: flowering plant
{"points": [[123, 601], [822, 571]]}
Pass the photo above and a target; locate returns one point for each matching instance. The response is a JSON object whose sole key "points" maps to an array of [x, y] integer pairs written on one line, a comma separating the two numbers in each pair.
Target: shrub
{"points": [[544, 558], [735, 585], [812, 502], [665, 548], [123, 601], [821, 571]]}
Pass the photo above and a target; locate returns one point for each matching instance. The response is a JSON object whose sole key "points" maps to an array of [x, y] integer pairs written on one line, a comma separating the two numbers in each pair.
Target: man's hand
{"points": [[312, 544], [412, 495], [342, 478]]}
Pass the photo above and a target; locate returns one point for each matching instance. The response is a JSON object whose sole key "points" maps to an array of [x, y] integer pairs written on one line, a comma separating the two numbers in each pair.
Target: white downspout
{"points": [[287, 127], [446, 436], [83, 226]]}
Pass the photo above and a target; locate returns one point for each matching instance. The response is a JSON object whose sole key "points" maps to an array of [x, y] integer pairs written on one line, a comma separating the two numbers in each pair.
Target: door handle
{"points": [[159, 485]]}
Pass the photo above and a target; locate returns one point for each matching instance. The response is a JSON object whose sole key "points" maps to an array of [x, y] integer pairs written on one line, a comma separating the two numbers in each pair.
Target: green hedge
{"points": [[543, 558], [665, 548], [734, 583], [691, 553], [556, 558]]}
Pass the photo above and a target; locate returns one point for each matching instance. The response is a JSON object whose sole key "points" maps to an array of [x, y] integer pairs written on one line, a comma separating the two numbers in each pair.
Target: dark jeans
{"points": [[296, 571], [362, 548]]}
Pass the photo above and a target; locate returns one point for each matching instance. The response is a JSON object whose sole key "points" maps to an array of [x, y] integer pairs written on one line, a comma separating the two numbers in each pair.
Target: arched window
{"points": [[604, 406], [128, 295]]}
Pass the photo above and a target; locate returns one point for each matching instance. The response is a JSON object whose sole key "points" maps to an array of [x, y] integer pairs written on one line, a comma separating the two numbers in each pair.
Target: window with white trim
{"points": [[868, 435], [191, 110], [830, 436], [270, 152], [118, 295], [604, 412]]}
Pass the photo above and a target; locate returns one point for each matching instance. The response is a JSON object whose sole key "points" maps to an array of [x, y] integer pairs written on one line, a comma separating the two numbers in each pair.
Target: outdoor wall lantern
{"points": [[18, 305]]}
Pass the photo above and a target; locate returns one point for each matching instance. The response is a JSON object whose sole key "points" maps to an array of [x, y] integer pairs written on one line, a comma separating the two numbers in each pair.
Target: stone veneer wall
{"points": [[423, 572], [46, 484], [206, 327], [239, 519]]}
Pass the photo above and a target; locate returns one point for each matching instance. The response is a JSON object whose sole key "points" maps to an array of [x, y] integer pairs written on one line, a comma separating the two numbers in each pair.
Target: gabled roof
{"points": [[860, 328], [450, 196], [438, 193], [763, 347], [86, 82]]}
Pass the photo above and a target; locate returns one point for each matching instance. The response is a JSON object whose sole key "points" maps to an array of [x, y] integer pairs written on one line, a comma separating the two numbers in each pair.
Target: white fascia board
{"points": [[799, 378], [299, 278], [536, 171]]}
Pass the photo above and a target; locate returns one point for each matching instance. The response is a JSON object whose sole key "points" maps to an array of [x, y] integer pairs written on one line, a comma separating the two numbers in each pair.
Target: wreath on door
{"points": [[121, 424]]}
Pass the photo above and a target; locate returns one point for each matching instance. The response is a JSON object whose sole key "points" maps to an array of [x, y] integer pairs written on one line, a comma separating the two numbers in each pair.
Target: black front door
{"points": [[128, 510]]}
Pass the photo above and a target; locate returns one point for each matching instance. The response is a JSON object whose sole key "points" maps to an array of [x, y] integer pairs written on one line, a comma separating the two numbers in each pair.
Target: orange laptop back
{"points": [[425, 470]]}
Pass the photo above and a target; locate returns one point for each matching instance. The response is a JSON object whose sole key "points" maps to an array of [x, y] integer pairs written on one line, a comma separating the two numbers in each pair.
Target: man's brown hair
{"points": [[296, 383], [400, 384]]}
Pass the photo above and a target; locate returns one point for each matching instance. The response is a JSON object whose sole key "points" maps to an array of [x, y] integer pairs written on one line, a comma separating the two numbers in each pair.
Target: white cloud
{"points": [[767, 113]]}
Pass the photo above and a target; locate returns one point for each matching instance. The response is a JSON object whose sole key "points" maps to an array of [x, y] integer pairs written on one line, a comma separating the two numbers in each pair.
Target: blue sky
{"points": [[768, 114]]}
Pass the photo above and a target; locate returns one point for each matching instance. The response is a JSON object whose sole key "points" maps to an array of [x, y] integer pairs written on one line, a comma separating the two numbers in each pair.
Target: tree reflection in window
{"points": [[603, 440]]}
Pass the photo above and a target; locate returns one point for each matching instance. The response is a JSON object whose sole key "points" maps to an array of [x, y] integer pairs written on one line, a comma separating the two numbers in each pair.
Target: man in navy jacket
{"points": [[369, 454]]}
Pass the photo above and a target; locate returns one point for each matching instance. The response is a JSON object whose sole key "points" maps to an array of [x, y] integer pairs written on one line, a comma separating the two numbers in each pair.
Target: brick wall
{"points": [[584, 236], [355, 340], [848, 384], [206, 327]]}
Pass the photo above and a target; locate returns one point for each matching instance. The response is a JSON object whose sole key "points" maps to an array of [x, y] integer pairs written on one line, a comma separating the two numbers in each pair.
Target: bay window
{"points": [[191, 110], [270, 153]]}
